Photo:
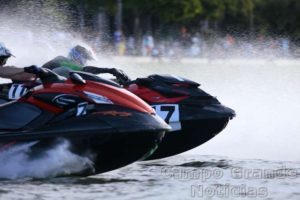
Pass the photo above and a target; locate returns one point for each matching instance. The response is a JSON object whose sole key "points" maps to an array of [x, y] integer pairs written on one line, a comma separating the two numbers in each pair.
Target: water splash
{"points": [[16, 162]]}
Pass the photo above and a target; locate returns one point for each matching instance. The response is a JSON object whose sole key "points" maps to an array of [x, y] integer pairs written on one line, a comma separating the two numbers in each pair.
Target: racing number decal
{"points": [[16, 91], [81, 109], [170, 113]]}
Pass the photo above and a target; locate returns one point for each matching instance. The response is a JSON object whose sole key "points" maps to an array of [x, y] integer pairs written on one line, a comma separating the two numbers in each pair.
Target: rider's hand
{"points": [[33, 69], [121, 76], [39, 71]]}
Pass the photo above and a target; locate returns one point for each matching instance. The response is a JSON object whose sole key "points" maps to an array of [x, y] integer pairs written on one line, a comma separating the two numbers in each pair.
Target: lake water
{"points": [[180, 177]]}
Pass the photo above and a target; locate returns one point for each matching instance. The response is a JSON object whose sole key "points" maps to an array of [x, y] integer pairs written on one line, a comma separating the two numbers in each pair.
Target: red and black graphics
{"points": [[194, 115], [168, 89], [58, 96]]}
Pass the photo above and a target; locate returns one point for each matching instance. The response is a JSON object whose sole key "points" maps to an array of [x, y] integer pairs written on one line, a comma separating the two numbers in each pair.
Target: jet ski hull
{"points": [[114, 136], [106, 152], [193, 134], [192, 126], [195, 116]]}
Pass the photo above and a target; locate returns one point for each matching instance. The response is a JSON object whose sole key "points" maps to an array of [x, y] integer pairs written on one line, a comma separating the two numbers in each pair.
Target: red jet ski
{"points": [[93, 114]]}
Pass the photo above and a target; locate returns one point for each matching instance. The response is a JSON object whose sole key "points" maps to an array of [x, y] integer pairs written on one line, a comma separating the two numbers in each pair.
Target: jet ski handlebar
{"points": [[46, 75], [121, 77]]}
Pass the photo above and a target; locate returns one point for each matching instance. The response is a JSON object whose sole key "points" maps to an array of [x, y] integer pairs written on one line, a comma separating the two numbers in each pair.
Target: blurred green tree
{"points": [[279, 17], [236, 16]]}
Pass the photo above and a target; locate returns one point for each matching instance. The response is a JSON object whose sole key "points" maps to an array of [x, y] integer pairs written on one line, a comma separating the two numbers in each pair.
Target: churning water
{"points": [[16, 162]]}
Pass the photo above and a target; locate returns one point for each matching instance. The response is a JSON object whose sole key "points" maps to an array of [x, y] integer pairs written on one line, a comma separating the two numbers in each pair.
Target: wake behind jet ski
{"points": [[95, 116]]}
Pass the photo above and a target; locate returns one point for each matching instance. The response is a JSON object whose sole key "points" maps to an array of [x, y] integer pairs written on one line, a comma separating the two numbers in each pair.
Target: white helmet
{"points": [[81, 55], [4, 54]]}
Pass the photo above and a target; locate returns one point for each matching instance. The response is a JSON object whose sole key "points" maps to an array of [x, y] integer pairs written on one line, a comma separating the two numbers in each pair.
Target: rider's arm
{"points": [[122, 78], [15, 73], [96, 70]]}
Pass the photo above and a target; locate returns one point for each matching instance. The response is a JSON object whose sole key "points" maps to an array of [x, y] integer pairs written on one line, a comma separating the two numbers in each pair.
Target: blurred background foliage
{"points": [[164, 17]]}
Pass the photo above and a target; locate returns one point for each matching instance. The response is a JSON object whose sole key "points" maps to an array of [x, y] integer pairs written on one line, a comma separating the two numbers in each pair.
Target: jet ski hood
{"points": [[172, 79]]}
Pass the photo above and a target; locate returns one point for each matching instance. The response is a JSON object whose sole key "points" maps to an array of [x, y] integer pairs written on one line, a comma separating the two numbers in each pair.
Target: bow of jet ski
{"points": [[194, 115]]}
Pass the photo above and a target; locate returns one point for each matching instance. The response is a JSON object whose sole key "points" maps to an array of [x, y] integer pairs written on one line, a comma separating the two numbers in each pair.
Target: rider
{"points": [[12, 72], [76, 61]]}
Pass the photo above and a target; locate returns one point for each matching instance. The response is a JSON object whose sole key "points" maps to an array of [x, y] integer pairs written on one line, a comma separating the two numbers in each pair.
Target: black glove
{"points": [[120, 75], [33, 69], [38, 71], [122, 78]]}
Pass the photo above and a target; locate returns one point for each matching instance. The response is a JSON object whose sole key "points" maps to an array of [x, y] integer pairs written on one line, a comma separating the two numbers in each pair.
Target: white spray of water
{"points": [[16, 162], [34, 38], [36, 33]]}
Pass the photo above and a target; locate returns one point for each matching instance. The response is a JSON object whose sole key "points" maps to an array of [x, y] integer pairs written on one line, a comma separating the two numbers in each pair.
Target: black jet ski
{"points": [[194, 115], [93, 115]]}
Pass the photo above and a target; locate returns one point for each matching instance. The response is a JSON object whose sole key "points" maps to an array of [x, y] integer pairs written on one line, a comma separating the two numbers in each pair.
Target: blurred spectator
{"points": [[185, 42], [119, 42], [285, 46], [195, 49], [203, 46], [148, 45], [229, 41], [130, 46]]}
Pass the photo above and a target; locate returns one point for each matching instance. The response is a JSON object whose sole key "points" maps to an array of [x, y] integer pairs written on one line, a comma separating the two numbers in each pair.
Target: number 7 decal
{"points": [[170, 113]]}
